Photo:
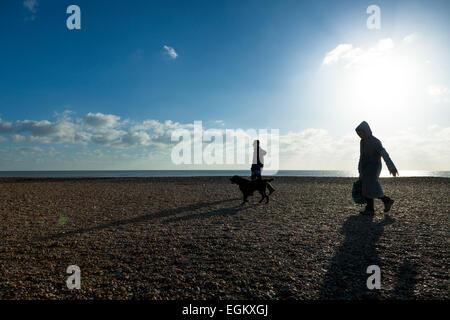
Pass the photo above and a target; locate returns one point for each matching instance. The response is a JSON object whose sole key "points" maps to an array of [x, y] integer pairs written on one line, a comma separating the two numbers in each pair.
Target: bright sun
{"points": [[377, 82], [383, 83]]}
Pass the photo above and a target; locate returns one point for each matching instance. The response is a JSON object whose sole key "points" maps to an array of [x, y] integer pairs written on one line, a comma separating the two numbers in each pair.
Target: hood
{"points": [[364, 126]]}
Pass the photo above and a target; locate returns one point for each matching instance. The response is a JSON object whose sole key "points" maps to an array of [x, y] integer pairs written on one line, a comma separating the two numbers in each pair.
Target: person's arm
{"points": [[360, 155], [383, 153], [263, 152]]}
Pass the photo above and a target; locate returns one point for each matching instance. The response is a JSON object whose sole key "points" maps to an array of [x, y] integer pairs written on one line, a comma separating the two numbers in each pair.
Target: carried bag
{"points": [[357, 192]]}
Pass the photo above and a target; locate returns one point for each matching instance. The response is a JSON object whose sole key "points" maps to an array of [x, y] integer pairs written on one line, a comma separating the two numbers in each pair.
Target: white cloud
{"points": [[52, 152], [153, 125], [313, 148], [342, 51], [100, 120], [171, 52], [38, 128], [411, 38], [316, 149], [5, 127], [418, 149], [95, 128], [62, 130], [31, 5], [159, 127], [384, 44], [378, 78], [83, 137], [160, 132], [411, 149], [29, 149], [45, 140], [350, 55], [439, 93], [120, 138], [18, 138], [107, 137], [139, 138]]}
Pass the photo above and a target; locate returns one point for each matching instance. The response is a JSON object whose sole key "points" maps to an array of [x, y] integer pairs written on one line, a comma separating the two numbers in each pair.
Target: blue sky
{"points": [[234, 64]]}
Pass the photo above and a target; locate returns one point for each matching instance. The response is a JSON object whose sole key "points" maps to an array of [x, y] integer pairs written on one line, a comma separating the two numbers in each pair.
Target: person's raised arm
{"points": [[383, 153]]}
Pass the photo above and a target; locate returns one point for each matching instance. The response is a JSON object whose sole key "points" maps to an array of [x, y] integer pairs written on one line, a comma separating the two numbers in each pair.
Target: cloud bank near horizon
{"points": [[106, 141]]}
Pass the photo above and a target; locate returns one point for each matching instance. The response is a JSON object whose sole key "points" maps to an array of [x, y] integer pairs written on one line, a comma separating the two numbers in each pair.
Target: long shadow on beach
{"points": [[152, 216], [406, 281], [346, 277], [219, 212]]}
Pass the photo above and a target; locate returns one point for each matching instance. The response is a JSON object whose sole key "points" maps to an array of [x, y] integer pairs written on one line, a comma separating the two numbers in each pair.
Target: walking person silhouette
{"points": [[369, 167], [258, 164]]}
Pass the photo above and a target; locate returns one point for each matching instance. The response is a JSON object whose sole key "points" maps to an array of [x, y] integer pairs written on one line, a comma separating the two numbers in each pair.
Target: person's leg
{"points": [[370, 204], [388, 202], [259, 173], [369, 207], [255, 173]]}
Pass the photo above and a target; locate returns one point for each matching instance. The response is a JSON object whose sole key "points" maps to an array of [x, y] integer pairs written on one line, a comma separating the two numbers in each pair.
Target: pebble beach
{"points": [[190, 238]]}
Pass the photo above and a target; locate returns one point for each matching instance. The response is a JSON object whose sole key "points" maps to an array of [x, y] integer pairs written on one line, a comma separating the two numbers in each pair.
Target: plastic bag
{"points": [[357, 193]]}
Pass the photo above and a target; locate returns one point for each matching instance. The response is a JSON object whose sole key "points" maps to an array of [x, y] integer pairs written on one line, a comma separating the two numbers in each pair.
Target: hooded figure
{"points": [[369, 167]]}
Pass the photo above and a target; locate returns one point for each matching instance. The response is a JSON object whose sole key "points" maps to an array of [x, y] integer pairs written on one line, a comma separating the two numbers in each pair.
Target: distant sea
{"points": [[202, 173]]}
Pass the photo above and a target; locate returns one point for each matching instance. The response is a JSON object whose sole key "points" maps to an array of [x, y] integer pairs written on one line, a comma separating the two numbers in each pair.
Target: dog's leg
{"points": [[263, 195]]}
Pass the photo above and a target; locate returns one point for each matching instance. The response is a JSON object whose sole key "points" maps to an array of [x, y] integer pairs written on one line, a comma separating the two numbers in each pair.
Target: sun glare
{"points": [[383, 84], [375, 82]]}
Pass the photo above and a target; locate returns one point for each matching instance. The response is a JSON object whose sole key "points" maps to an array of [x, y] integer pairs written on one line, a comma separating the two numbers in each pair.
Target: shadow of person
{"points": [[405, 281], [346, 277], [142, 218], [229, 211]]}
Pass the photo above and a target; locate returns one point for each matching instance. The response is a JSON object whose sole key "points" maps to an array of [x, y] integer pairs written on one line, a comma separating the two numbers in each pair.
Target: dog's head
{"points": [[235, 179]]}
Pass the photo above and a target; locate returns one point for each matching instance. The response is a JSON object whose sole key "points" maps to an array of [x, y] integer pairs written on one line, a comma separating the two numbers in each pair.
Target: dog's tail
{"points": [[268, 180]]}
